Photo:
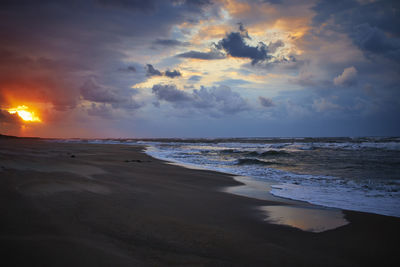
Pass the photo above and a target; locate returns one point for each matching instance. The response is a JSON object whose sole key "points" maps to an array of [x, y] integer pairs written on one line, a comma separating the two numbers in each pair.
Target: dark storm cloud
{"points": [[210, 55], [196, 2], [151, 5], [67, 42], [172, 73], [95, 92], [266, 102], [151, 71], [234, 45], [100, 110], [348, 13], [40, 79], [373, 26], [325, 9], [170, 42], [6, 117], [374, 40], [215, 100]]}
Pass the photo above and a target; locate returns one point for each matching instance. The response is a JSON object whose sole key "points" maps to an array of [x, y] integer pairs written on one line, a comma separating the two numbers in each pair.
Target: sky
{"points": [[200, 68]]}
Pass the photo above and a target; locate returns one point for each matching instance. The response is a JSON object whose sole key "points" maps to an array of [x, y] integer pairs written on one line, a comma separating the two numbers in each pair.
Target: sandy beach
{"points": [[113, 205]]}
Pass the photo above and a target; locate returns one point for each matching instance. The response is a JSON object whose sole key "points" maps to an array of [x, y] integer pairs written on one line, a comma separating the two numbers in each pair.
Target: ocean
{"points": [[361, 174]]}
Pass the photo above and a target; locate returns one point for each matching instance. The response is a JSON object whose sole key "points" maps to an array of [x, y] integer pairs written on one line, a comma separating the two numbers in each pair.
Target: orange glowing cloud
{"points": [[236, 8], [24, 113], [209, 32]]}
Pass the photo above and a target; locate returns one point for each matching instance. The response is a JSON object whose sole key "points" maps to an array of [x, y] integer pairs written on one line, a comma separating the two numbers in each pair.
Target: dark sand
{"points": [[112, 205]]}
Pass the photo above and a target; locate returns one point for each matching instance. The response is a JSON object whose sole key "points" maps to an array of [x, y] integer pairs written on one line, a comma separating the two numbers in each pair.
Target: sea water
{"points": [[361, 174]]}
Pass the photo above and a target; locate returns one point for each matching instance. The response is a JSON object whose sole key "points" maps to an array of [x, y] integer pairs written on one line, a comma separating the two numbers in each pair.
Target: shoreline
{"points": [[98, 205], [253, 187], [290, 212]]}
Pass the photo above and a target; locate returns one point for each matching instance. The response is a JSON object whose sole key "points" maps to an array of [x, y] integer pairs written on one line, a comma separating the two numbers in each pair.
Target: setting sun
{"points": [[25, 114]]}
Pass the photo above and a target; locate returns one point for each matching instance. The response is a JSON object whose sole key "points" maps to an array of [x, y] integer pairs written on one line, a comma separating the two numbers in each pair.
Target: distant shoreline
{"points": [[210, 139], [2, 136]]}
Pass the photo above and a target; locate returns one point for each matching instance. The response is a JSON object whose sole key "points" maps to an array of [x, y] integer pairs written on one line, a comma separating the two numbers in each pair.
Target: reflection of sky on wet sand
{"points": [[258, 189], [305, 218], [299, 214]]}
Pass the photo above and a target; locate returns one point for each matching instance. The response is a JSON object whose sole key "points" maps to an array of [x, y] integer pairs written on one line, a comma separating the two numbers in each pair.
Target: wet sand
{"points": [[112, 205], [298, 214]]}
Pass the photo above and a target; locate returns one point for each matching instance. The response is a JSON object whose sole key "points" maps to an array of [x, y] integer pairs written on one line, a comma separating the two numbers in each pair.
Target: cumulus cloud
{"points": [[347, 78], [210, 55], [221, 98], [214, 100], [266, 102], [151, 71], [116, 97], [170, 93], [172, 73]]}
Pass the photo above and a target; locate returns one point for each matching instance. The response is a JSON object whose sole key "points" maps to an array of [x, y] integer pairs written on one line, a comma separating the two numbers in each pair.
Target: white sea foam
{"points": [[376, 196], [340, 196]]}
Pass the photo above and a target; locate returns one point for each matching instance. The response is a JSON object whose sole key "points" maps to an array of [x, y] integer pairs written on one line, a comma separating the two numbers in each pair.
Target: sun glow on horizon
{"points": [[25, 114]]}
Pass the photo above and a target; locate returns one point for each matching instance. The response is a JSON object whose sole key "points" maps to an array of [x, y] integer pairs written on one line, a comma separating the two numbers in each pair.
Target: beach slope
{"points": [[112, 205]]}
